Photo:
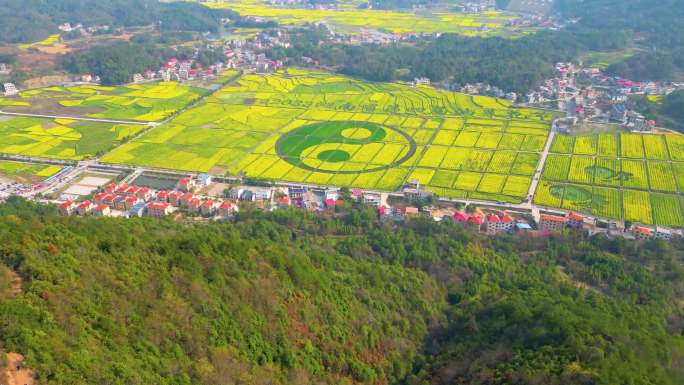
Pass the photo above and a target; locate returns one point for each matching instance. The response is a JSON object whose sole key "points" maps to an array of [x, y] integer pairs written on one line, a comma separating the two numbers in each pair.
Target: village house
{"points": [[120, 202], [84, 208], [130, 202], [641, 232], [186, 184], [498, 223], [226, 209], [144, 194], [208, 208], [10, 89], [372, 199], [158, 209], [663, 233], [282, 202], [552, 223], [102, 211], [411, 212], [296, 192], [194, 205], [163, 196], [413, 190], [136, 211], [111, 187], [575, 221], [97, 198], [109, 200], [67, 208], [184, 199], [174, 198]]}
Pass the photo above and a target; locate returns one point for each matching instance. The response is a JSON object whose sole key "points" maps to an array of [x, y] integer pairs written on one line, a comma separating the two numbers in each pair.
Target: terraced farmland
{"points": [[635, 177], [147, 102], [325, 129], [60, 138]]}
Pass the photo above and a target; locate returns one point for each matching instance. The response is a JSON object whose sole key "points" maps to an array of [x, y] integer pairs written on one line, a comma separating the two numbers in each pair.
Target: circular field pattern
{"points": [[606, 174], [348, 147], [334, 156], [571, 193]]}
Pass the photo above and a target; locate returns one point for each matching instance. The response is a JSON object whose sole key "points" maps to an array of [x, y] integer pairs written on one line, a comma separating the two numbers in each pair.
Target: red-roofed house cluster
{"points": [[126, 200]]}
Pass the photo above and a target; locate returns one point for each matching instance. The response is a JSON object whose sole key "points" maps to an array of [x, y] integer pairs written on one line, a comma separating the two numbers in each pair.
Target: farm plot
{"points": [[302, 126], [649, 170], [146, 102], [60, 138], [637, 206], [26, 172]]}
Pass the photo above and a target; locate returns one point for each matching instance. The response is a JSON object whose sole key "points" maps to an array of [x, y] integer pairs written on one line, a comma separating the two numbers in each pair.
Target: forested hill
{"points": [[292, 298], [23, 21]]}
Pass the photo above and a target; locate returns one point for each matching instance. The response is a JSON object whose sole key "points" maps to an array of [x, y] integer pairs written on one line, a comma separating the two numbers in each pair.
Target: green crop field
{"points": [[324, 129], [584, 174], [146, 102], [26, 172], [60, 138]]}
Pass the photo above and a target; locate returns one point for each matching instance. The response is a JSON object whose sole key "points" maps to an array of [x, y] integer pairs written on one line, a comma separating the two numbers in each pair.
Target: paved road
{"points": [[80, 118]]}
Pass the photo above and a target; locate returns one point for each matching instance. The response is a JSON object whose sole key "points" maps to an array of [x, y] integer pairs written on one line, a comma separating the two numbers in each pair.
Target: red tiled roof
{"points": [[66, 204], [208, 203], [505, 218], [411, 210], [100, 196], [492, 218], [576, 217], [475, 219], [552, 218], [85, 205], [101, 208], [158, 206], [184, 181], [194, 202], [132, 190], [187, 196], [131, 199], [329, 202], [460, 217], [226, 205], [642, 230]]}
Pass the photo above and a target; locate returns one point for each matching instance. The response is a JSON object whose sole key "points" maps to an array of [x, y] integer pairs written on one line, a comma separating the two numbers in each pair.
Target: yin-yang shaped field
{"points": [[323, 129]]}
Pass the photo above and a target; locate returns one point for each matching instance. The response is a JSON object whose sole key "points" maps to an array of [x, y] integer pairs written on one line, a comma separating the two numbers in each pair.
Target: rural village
{"points": [[583, 94]]}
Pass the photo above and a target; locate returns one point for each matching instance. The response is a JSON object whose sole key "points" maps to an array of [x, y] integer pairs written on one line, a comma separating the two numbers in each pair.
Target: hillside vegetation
{"points": [[25, 21], [291, 298]]}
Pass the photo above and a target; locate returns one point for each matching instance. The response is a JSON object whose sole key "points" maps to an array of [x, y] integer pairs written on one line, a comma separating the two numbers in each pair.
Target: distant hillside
{"points": [[295, 299], [23, 21]]}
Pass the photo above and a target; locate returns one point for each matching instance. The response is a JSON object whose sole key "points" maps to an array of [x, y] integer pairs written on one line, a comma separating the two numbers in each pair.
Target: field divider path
{"points": [[540, 167], [136, 122]]}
